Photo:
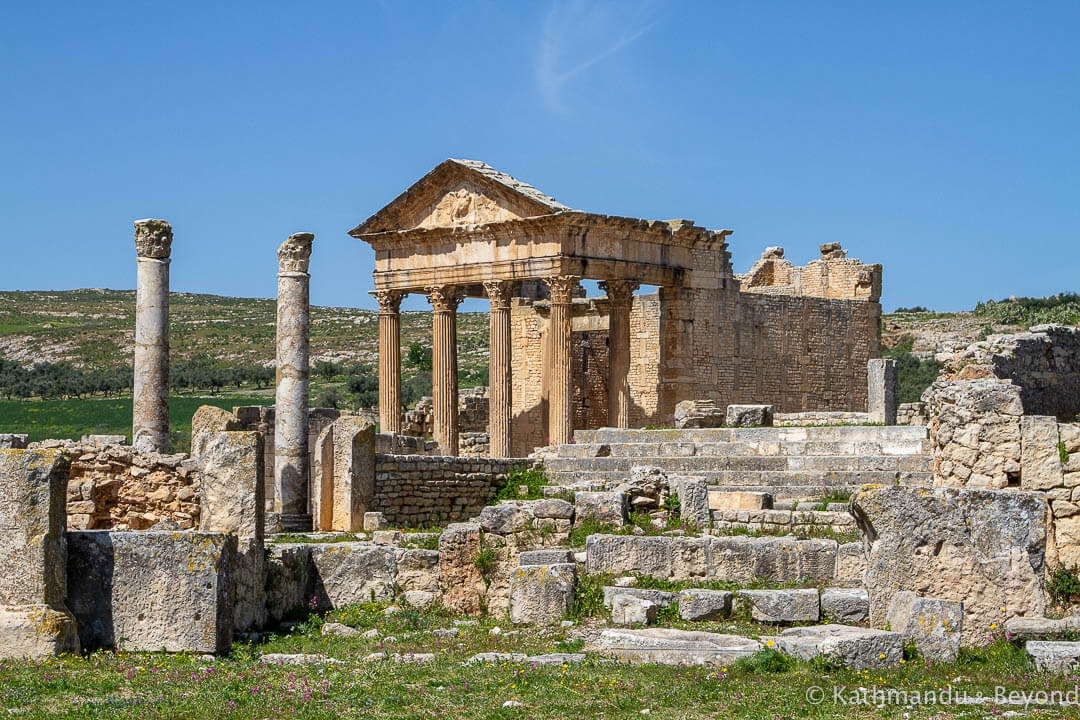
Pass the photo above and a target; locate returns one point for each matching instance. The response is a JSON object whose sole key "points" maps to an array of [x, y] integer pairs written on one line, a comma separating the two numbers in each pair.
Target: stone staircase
{"points": [[789, 462]]}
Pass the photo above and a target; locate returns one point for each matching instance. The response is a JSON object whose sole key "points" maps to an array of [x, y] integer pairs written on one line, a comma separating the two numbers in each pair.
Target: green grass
{"points": [[71, 419], [764, 686]]}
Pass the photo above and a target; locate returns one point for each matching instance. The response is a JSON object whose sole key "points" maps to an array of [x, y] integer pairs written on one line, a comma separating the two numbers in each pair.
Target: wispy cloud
{"points": [[576, 35]]}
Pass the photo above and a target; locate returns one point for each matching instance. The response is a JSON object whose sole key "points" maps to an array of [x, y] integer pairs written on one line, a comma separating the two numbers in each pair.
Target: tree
{"points": [[419, 357]]}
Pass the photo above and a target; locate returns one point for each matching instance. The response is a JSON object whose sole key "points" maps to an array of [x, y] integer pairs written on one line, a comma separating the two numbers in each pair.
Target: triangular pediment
{"points": [[460, 192]]}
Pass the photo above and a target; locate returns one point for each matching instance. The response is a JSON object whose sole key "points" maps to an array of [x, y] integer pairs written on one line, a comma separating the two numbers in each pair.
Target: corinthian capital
{"points": [[443, 298], [389, 301], [619, 292], [498, 292], [295, 253], [153, 238], [562, 288]]}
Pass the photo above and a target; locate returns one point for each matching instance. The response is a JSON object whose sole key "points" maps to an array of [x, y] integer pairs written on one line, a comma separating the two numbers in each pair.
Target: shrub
{"points": [[764, 662], [588, 597], [533, 478], [1064, 584]]}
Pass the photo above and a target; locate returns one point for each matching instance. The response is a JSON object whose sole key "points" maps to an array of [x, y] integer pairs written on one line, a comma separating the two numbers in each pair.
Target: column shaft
{"points": [[150, 404], [389, 361], [499, 375], [444, 302], [291, 398], [560, 404], [621, 295]]}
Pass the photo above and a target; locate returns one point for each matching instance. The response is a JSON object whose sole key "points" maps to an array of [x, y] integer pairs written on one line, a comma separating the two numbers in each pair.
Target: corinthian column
{"points": [[499, 402], [150, 407], [620, 296], [291, 398], [444, 301], [389, 360], [560, 407]]}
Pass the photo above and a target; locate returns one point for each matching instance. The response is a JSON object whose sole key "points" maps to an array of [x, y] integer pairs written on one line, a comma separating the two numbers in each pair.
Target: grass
{"points": [[764, 686]]}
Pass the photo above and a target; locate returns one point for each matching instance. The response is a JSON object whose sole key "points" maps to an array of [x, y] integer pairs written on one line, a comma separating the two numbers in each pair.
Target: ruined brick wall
{"points": [[417, 491], [833, 275]]}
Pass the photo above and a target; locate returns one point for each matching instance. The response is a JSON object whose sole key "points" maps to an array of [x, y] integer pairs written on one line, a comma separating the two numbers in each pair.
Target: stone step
{"points": [[853, 433], [782, 484], [696, 464], [718, 449]]}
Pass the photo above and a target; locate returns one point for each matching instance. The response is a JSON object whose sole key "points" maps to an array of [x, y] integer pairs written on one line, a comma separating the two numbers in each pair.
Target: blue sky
{"points": [[941, 139]]}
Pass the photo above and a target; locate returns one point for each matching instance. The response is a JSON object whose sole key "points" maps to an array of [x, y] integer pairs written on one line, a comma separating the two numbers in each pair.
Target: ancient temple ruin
{"points": [[798, 338]]}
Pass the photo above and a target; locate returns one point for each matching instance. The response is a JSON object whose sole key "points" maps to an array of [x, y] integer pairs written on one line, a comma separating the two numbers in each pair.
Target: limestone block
{"points": [[1050, 656], [660, 598], [608, 508], [699, 604], [817, 559], [1040, 628], [461, 582], [288, 579], [1070, 435], [934, 625], [550, 508], [630, 610], [689, 557], [13, 441], [374, 521], [418, 570], [541, 594], [1040, 461], [666, 646], [627, 554], [739, 500], [883, 391], [349, 573], [845, 605], [779, 606], [731, 559], [419, 598], [354, 472], [386, 537], [693, 494], [850, 563], [505, 518], [982, 548], [546, 557], [852, 647], [749, 416], [698, 414], [36, 631], [230, 483], [151, 591], [210, 419]]}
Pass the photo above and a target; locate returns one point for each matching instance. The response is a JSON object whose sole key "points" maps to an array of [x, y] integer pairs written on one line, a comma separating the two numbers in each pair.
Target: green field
{"points": [[71, 419]]}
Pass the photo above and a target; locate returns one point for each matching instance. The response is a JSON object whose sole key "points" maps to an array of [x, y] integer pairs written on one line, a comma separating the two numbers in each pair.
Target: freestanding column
{"points": [[291, 399], [499, 378], [444, 301], [389, 360], [620, 295], [150, 407], [560, 407]]}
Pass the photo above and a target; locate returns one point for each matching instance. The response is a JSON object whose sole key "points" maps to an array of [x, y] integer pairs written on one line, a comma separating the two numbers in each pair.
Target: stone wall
{"points": [[416, 491], [472, 414], [1044, 363], [115, 488], [834, 276]]}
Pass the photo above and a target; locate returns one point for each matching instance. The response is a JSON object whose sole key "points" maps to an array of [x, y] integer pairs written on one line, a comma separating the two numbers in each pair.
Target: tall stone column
{"points": [[560, 403], [291, 398], [620, 296], [499, 374], [389, 360], [150, 407], [444, 301]]}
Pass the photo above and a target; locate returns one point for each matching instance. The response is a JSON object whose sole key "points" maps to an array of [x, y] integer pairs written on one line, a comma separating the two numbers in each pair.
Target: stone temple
{"points": [[723, 429], [797, 338]]}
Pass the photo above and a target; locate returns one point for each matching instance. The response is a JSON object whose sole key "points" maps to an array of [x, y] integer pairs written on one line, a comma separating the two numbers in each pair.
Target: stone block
{"points": [[608, 508], [698, 414], [349, 573], [151, 591], [845, 605], [982, 548], [627, 554], [661, 598], [462, 584], [672, 647], [934, 625], [14, 441], [739, 500], [288, 579], [1040, 459], [700, 604], [505, 518], [1051, 656], [419, 598], [551, 508], [883, 391], [693, 494], [418, 569], [1039, 628], [541, 594], [374, 521], [208, 420], [850, 563], [630, 610], [354, 472], [851, 647], [782, 606], [749, 416], [545, 557]]}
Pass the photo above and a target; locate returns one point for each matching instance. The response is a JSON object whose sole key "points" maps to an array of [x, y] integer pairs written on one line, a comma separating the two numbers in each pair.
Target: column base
{"points": [[288, 522]]}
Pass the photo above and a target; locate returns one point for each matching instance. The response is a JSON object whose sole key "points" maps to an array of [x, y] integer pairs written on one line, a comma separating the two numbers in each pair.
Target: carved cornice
{"points": [[389, 301], [499, 293], [295, 253], [153, 238], [444, 298], [619, 292], [562, 288]]}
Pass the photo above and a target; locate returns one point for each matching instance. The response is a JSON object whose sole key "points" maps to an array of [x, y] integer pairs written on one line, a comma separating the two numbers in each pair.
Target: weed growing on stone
{"points": [[532, 478], [1064, 585]]}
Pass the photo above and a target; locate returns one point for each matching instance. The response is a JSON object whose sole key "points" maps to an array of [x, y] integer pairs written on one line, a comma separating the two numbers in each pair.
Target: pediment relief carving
{"points": [[465, 203]]}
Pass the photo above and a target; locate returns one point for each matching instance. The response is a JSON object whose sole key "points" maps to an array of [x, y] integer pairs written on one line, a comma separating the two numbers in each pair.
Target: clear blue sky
{"points": [[941, 139]]}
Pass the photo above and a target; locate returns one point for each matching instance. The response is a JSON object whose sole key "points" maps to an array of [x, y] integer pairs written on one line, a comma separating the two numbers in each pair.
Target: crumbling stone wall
{"points": [[834, 276], [472, 414], [415, 491]]}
